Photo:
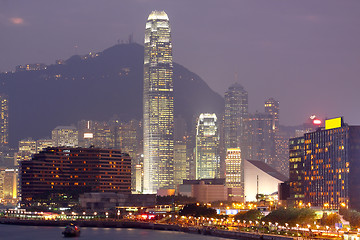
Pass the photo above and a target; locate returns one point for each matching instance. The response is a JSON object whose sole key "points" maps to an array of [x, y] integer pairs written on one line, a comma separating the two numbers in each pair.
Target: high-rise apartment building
{"points": [[207, 147], [4, 120], [158, 100], [65, 136], [236, 110]]}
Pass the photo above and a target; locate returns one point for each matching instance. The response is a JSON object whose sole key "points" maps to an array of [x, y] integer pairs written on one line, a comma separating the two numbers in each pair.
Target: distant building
{"points": [[331, 166], [10, 183], [65, 170], [260, 178], [158, 104], [30, 67], [65, 136], [4, 121], [272, 107], [236, 110], [27, 148], [207, 147], [180, 163], [42, 144], [259, 141]]}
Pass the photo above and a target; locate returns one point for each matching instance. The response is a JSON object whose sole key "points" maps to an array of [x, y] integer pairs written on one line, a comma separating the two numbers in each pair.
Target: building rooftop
{"points": [[268, 169]]}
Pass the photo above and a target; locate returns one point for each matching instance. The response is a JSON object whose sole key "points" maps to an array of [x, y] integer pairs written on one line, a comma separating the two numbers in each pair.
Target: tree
{"points": [[249, 215], [291, 216], [197, 211]]}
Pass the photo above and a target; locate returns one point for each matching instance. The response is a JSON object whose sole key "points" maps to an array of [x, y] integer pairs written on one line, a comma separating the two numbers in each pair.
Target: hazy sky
{"points": [[304, 53]]}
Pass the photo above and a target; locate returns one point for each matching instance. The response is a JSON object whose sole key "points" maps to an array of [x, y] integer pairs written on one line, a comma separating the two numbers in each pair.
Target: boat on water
{"points": [[71, 231]]}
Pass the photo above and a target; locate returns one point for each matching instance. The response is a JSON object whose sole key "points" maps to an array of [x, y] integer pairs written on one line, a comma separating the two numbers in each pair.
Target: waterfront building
{"points": [[158, 100], [10, 183], [207, 147], [69, 171], [236, 110], [65, 136], [4, 121], [260, 178], [331, 166]]}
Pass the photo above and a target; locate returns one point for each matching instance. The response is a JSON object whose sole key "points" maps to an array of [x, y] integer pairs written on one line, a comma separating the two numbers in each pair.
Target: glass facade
{"points": [[158, 104], [207, 147]]}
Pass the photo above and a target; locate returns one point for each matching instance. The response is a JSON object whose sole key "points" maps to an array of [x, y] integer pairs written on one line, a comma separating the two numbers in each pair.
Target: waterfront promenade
{"points": [[146, 225]]}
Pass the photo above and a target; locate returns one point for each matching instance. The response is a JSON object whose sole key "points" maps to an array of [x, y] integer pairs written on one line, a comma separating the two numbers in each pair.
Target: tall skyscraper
{"points": [[4, 121], [207, 147], [236, 110], [158, 104], [272, 107]]}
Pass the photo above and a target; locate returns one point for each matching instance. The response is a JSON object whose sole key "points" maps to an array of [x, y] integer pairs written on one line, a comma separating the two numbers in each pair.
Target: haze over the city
{"points": [[303, 53]]}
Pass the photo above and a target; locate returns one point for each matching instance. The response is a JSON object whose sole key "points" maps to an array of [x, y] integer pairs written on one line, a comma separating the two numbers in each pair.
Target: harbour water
{"points": [[16, 232]]}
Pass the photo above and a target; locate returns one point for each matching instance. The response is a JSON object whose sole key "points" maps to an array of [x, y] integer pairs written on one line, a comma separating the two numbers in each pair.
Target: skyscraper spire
{"points": [[158, 104]]}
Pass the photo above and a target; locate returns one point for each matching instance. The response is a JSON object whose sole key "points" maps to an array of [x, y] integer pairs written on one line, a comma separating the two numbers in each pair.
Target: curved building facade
{"points": [[158, 104]]}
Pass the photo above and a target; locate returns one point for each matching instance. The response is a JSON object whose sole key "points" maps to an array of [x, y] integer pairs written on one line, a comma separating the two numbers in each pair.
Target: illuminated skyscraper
{"points": [[4, 120], [207, 147], [272, 108], [236, 110], [158, 104]]}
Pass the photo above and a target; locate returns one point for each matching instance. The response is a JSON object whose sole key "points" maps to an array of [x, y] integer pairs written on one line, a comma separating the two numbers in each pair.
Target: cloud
{"points": [[17, 21]]}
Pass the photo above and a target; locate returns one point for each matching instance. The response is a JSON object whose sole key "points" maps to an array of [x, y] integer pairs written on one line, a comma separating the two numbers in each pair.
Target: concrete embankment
{"points": [[146, 225]]}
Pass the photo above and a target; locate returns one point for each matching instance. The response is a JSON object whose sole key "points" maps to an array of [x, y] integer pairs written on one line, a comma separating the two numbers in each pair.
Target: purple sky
{"points": [[304, 53]]}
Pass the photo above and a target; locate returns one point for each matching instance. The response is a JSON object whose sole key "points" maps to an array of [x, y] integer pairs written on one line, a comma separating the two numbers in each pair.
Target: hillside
{"points": [[95, 87]]}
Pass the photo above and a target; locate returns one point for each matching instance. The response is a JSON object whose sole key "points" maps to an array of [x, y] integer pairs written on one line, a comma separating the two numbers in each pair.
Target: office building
{"points": [[4, 121], [236, 110], [65, 136], [27, 148], [259, 141], [180, 163], [296, 171], [158, 100], [70, 171], [272, 107], [331, 166], [207, 147], [234, 174], [42, 144]]}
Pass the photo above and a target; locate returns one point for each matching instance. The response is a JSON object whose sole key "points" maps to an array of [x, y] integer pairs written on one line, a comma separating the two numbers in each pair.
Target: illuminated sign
{"points": [[88, 135], [333, 123], [317, 122]]}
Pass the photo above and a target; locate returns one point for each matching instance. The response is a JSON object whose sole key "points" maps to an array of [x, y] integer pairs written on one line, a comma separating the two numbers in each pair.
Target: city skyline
{"points": [[311, 45]]}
